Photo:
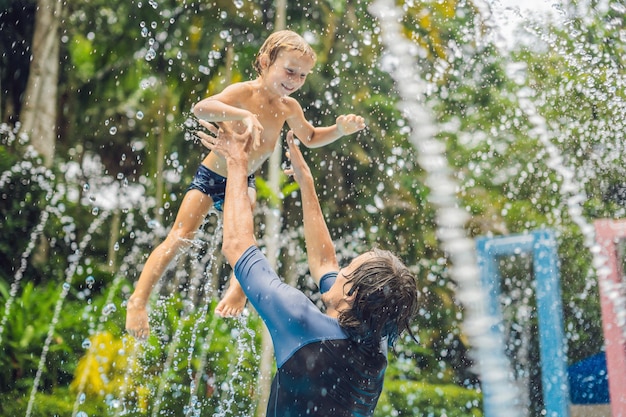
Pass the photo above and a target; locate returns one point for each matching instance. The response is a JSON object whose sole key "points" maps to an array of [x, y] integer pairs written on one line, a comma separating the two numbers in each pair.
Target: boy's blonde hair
{"points": [[279, 41]]}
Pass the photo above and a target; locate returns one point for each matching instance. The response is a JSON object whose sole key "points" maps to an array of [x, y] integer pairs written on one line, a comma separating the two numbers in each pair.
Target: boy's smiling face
{"points": [[288, 72]]}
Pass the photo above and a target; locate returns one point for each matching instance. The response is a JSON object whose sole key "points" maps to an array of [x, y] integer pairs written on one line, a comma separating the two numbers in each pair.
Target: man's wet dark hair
{"points": [[386, 299]]}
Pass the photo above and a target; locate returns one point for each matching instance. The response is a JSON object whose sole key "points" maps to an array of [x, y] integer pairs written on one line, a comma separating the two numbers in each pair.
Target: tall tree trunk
{"points": [[39, 112], [272, 232], [160, 154]]}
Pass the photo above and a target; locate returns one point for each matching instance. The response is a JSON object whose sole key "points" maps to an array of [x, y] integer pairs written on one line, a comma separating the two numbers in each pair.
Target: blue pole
{"points": [[542, 245], [552, 346]]}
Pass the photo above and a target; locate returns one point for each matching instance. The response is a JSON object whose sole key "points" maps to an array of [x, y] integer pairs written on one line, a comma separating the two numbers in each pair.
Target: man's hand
{"points": [[299, 168], [225, 141], [350, 123], [254, 128]]}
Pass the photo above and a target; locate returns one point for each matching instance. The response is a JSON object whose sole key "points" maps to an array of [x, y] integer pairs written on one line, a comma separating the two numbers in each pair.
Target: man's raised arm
{"points": [[238, 220], [319, 245]]}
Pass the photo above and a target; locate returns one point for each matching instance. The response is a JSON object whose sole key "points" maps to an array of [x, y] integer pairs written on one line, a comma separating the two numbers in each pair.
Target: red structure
{"points": [[608, 235]]}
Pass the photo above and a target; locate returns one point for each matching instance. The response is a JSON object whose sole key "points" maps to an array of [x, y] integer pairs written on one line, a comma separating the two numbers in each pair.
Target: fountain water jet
{"points": [[69, 276], [492, 364], [19, 274], [574, 196], [42, 176]]}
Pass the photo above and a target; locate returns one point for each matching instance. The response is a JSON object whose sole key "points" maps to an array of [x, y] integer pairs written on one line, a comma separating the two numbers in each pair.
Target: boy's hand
{"points": [[350, 123]]}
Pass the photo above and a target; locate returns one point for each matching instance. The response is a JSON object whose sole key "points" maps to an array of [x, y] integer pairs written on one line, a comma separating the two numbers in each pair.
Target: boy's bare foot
{"points": [[137, 320], [233, 301]]}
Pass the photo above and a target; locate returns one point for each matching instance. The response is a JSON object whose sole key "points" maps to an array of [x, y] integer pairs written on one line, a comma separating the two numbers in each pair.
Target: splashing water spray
{"points": [[76, 257], [37, 231], [487, 349], [575, 196], [572, 188]]}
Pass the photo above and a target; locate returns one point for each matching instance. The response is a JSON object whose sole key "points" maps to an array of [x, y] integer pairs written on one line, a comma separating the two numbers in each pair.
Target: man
{"points": [[332, 363]]}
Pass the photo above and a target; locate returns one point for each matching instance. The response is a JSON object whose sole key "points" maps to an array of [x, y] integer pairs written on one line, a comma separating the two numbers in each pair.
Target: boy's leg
{"points": [[234, 299], [193, 210]]}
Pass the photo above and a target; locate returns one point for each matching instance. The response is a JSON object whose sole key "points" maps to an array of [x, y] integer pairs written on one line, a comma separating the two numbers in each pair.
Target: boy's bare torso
{"points": [[271, 111]]}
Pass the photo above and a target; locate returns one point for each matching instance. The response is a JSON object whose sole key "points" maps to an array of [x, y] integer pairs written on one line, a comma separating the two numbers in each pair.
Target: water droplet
{"points": [[150, 55], [86, 187], [113, 130], [86, 344], [81, 400], [90, 280], [139, 115], [66, 286], [109, 309], [238, 4]]}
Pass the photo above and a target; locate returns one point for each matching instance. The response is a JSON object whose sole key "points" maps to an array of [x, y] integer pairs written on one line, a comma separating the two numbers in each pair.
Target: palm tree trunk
{"points": [[39, 111]]}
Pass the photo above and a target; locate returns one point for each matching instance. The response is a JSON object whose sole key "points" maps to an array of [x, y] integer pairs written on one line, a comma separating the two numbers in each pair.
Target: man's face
{"points": [[338, 297]]}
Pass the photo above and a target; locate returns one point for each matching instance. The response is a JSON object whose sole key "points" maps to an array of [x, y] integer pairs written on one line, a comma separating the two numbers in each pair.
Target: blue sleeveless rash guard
{"points": [[321, 372]]}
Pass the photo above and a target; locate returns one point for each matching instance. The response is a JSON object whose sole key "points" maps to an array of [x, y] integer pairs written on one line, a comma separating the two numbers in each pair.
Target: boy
{"points": [[259, 107]]}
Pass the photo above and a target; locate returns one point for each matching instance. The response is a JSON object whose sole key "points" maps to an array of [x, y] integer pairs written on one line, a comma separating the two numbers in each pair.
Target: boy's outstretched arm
{"points": [[315, 137]]}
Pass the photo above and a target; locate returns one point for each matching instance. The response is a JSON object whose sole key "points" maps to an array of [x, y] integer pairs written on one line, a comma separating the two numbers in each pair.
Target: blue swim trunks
{"points": [[213, 185]]}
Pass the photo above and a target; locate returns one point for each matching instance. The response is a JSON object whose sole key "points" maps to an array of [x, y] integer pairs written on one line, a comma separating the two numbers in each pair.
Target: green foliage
{"points": [[420, 399], [82, 57], [114, 369], [61, 403], [118, 367], [26, 329], [581, 299], [26, 186]]}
